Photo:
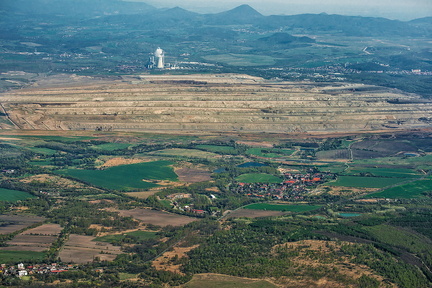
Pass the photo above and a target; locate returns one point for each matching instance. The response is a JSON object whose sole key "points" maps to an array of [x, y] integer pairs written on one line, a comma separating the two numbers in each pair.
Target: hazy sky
{"points": [[393, 9]]}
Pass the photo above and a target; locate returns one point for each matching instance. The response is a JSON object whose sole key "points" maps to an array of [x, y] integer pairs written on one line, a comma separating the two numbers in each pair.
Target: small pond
{"points": [[251, 164]]}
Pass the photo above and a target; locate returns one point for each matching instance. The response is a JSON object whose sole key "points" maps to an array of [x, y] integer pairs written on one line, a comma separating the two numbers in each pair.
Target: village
{"points": [[294, 186], [21, 270]]}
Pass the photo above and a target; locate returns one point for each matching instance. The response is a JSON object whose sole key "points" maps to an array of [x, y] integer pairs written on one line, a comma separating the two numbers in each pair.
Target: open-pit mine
{"points": [[210, 103]]}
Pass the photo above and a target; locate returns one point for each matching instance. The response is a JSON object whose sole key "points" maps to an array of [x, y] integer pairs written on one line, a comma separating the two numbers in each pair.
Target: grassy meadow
{"points": [[125, 177], [258, 178], [21, 256], [14, 195], [410, 190], [365, 182]]}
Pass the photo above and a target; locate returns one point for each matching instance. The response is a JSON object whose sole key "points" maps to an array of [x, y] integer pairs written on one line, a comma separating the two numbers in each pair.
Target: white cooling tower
{"points": [[159, 54]]}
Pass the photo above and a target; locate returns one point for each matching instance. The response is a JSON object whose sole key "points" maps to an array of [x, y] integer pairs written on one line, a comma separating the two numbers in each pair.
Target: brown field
{"points": [[163, 183], [194, 153], [18, 222], [158, 218], [81, 249], [25, 242], [54, 181], [45, 229], [252, 213], [211, 280], [193, 175], [164, 262], [117, 161], [143, 194]]}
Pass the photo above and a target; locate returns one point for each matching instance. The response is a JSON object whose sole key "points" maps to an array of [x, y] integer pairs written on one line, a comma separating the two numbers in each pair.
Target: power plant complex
{"points": [[157, 60]]}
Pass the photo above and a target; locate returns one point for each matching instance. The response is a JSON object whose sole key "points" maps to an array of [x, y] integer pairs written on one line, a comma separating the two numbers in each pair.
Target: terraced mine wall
{"points": [[213, 103]]}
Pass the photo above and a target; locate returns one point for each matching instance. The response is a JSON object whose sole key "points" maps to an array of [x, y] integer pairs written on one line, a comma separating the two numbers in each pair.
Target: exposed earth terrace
{"points": [[212, 103]]}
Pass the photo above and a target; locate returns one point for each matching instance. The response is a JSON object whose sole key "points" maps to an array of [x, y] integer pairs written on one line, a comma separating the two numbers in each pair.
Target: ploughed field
{"points": [[212, 103]]}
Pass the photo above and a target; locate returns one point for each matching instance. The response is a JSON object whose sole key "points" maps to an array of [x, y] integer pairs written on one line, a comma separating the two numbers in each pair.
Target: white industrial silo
{"points": [[159, 54]]}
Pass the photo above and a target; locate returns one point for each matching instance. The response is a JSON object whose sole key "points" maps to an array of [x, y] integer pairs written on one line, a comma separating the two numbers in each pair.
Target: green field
{"points": [[216, 148], [14, 195], [405, 191], [179, 152], [282, 207], [125, 177], [20, 256], [139, 235], [41, 162], [385, 172], [45, 151], [270, 153], [111, 146], [258, 178], [422, 162], [365, 182]]}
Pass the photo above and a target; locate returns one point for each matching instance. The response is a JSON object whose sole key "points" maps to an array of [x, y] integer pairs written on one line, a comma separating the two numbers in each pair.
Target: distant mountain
{"points": [[74, 8], [141, 15], [243, 14], [176, 13], [424, 24], [346, 25], [159, 18], [425, 20]]}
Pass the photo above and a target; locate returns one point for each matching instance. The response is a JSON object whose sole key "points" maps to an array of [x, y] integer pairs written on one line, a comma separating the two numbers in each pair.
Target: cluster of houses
{"points": [[21, 270], [294, 186]]}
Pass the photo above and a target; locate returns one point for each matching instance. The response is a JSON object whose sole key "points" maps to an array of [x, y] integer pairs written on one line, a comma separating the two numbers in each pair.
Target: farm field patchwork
{"points": [[125, 177], [27, 242], [18, 222], [158, 218], [82, 249], [45, 229]]}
